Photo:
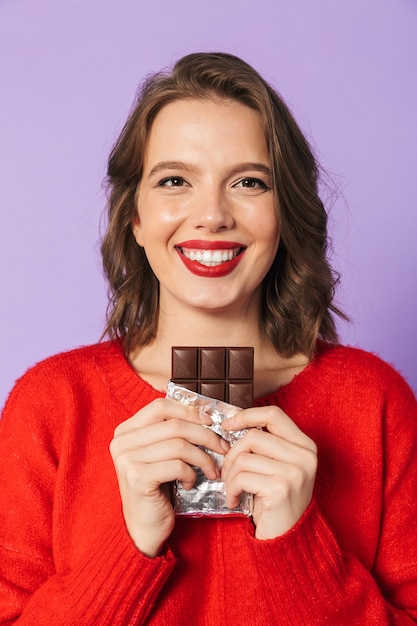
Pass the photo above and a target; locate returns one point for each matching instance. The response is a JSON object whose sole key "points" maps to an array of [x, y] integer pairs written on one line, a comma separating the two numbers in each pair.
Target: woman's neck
{"points": [[211, 329]]}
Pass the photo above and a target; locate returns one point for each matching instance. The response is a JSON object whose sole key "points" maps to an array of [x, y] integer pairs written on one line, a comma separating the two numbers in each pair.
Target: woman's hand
{"points": [[159, 444], [277, 464]]}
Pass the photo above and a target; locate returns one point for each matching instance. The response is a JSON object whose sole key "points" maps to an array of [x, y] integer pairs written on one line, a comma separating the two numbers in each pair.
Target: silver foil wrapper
{"points": [[208, 497]]}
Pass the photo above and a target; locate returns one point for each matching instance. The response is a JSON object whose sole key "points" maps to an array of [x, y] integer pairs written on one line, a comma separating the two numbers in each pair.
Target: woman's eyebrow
{"points": [[250, 166], [169, 165]]}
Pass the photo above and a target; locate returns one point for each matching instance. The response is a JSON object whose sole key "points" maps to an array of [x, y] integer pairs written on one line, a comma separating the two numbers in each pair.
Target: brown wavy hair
{"points": [[298, 291]]}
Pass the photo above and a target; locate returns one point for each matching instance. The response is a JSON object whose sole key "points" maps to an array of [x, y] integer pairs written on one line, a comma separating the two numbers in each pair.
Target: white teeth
{"points": [[207, 257], [210, 257]]}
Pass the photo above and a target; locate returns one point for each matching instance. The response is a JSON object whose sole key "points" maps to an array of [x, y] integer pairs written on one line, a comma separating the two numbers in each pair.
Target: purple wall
{"points": [[69, 70]]}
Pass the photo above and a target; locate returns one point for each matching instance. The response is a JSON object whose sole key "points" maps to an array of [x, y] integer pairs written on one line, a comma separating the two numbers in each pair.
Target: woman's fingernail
{"points": [[224, 444], [204, 417]]}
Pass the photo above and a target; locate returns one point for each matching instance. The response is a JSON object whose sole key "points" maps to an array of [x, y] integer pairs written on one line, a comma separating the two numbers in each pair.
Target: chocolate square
{"points": [[184, 363], [212, 364]]}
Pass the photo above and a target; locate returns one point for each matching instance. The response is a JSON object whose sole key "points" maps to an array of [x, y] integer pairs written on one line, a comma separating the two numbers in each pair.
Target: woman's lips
{"points": [[210, 258]]}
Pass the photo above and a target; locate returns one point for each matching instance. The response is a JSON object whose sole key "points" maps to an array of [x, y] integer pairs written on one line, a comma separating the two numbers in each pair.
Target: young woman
{"points": [[216, 237]]}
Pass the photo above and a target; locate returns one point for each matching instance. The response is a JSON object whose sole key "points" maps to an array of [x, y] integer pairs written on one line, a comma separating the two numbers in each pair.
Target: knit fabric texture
{"points": [[66, 558]]}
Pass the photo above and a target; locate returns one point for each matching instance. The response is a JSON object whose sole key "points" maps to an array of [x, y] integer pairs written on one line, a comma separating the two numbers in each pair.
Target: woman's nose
{"points": [[212, 211]]}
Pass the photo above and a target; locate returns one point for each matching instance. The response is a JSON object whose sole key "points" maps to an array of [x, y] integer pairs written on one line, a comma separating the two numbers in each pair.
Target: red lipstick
{"points": [[214, 265]]}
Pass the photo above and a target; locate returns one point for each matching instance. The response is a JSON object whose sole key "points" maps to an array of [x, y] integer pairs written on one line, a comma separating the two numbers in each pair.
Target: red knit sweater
{"points": [[66, 558]]}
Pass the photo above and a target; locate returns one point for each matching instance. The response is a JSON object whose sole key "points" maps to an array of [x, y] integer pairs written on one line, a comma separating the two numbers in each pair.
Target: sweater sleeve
{"points": [[316, 583], [307, 569], [113, 585]]}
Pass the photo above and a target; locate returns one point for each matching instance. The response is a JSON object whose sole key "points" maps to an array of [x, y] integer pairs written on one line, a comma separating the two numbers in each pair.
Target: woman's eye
{"points": [[252, 183], [172, 181]]}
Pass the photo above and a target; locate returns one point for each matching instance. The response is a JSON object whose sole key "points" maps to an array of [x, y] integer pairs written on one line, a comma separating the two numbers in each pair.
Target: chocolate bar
{"points": [[222, 373]]}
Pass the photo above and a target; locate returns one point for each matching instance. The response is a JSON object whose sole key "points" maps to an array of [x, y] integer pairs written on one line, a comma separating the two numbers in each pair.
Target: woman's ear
{"points": [[137, 230]]}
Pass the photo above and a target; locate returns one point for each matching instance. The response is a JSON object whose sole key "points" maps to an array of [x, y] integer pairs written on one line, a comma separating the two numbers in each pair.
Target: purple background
{"points": [[69, 71]]}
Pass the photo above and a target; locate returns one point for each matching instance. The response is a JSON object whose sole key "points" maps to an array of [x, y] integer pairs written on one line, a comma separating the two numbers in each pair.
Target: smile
{"points": [[210, 258]]}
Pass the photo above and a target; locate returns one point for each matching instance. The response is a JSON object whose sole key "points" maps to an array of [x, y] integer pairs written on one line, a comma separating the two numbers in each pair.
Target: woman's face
{"points": [[206, 214]]}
